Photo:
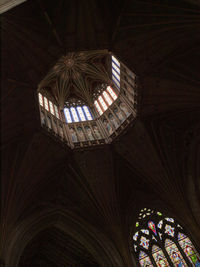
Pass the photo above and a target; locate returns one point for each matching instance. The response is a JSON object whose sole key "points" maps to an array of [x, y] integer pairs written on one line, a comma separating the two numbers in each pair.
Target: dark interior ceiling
{"points": [[89, 199]]}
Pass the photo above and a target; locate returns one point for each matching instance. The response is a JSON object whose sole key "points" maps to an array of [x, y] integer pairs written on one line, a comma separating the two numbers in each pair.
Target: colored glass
{"points": [[159, 225], [81, 114], [144, 242], [51, 108], [144, 260], [40, 99], [46, 104], [152, 226], [159, 256], [174, 253], [169, 230], [67, 115], [189, 249]]}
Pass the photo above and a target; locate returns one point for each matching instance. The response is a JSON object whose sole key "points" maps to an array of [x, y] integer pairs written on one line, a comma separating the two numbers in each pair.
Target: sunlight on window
{"points": [[112, 93], [46, 104], [107, 98], [102, 102], [88, 113], [67, 115], [51, 108], [81, 114], [74, 114], [40, 99], [98, 107]]}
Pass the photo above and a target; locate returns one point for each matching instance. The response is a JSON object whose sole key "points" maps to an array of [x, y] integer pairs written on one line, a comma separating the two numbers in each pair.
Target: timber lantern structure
{"points": [[88, 98]]}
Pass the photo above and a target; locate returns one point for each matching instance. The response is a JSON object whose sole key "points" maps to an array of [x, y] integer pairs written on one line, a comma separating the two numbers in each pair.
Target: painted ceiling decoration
{"points": [[76, 75]]}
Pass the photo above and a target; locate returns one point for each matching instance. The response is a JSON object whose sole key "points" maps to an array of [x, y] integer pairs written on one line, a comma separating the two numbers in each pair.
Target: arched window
{"points": [[160, 241]]}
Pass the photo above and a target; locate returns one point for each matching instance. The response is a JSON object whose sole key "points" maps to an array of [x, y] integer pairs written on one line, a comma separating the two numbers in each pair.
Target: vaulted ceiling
{"points": [[84, 204]]}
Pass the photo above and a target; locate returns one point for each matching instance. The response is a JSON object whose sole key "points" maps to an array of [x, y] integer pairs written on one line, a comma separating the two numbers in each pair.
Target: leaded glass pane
{"points": [[152, 226], [135, 236], [51, 108], [169, 219], [74, 114], [112, 93], [169, 230], [98, 107], [87, 112], [144, 259], [174, 253], [116, 74], [102, 102], [144, 242], [81, 114], [145, 231], [40, 99], [116, 81], [159, 256], [159, 225], [107, 98], [67, 115], [46, 104], [116, 61], [56, 111], [115, 67], [189, 249]]}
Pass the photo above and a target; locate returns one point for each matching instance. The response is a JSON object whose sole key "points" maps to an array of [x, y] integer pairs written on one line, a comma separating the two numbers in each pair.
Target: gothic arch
{"points": [[97, 244], [161, 241]]}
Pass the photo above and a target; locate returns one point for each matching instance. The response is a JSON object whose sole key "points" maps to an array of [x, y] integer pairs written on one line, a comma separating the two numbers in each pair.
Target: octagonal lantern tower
{"points": [[88, 98]]}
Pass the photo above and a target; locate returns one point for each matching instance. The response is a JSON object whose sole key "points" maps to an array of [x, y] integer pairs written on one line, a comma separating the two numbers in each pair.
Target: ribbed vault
{"points": [[76, 76], [154, 163]]}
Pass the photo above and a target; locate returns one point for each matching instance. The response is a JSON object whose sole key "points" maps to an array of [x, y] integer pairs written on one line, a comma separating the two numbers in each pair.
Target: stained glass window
{"points": [[67, 115], [87, 113], [74, 114], [144, 242], [189, 249], [102, 102], [159, 256], [135, 236], [169, 230], [81, 114], [174, 253], [169, 219], [51, 108], [40, 99], [116, 74], [112, 93], [107, 98], [160, 224], [56, 112], [116, 81], [115, 61], [161, 241], [96, 103], [46, 104], [116, 67], [144, 260], [145, 231]]}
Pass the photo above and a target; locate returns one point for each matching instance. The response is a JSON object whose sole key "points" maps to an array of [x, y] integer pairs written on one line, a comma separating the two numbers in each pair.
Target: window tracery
{"points": [[161, 241]]}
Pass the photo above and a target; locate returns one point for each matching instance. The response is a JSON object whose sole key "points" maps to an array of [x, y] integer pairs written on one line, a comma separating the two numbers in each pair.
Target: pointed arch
{"points": [[189, 249], [174, 253], [159, 256], [162, 241]]}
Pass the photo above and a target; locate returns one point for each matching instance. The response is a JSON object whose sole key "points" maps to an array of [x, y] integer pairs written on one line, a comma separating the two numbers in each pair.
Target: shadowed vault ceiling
{"points": [[85, 203]]}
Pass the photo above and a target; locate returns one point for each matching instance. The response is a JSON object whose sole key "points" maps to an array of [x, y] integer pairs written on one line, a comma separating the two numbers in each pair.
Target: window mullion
{"points": [[182, 252]]}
